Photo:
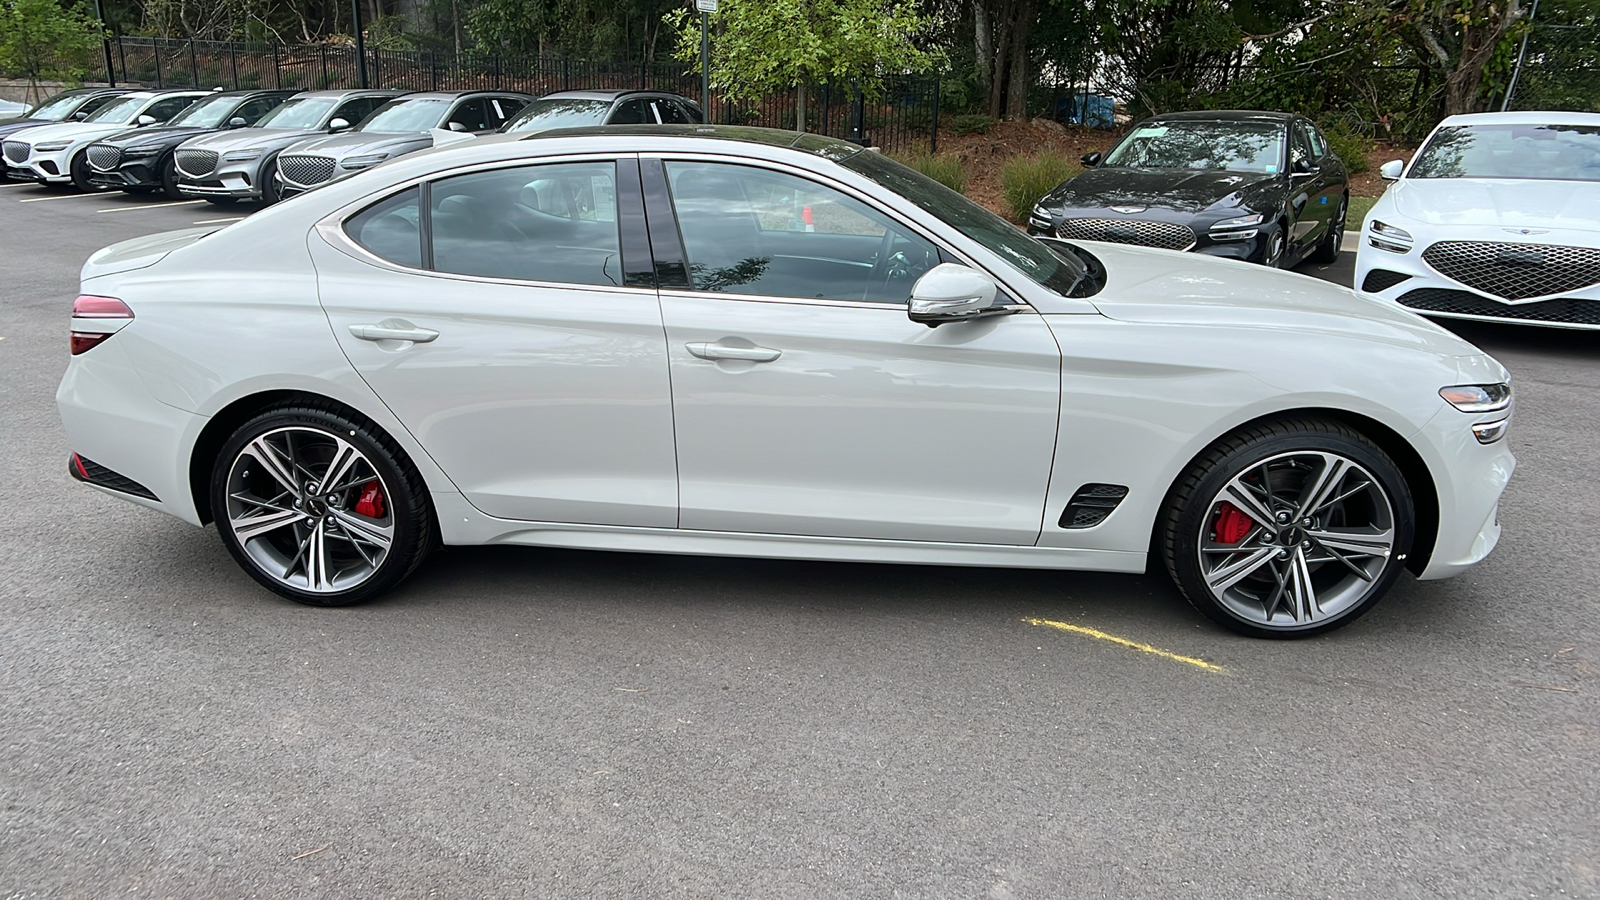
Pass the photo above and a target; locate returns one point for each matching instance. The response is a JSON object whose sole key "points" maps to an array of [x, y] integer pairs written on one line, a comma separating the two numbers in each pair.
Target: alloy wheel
{"points": [[309, 509], [1296, 539]]}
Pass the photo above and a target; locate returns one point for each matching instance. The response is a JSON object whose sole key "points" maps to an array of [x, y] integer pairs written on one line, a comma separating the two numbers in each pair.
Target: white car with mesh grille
{"points": [[1497, 218]]}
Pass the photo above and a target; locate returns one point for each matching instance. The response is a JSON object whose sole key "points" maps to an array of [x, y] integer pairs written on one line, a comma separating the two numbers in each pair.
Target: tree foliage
{"points": [[46, 41]]}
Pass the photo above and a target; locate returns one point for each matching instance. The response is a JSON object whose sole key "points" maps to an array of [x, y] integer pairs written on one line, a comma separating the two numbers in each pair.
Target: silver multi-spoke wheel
{"points": [[309, 509], [1289, 528], [1296, 539]]}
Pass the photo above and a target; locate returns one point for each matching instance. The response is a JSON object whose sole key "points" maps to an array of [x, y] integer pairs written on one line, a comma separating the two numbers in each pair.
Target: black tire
{"points": [[1328, 251], [169, 180], [1194, 519], [1280, 235], [270, 188], [406, 513], [222, 201], [79, 170]]}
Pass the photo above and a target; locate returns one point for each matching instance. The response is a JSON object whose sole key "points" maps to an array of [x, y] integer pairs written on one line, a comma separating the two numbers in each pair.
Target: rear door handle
{"points": [[723, 351], [393, 331]]}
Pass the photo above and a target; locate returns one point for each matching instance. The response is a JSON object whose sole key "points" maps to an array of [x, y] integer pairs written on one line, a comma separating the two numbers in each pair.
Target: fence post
{"points": [[644, 75], [277, 73], [566, 72], [377, 77], [858, 114], [155, 52], [433, 71], [194, 67], [324, 65], [122, 56], [233, 63], [933, 132], [497, 70]]}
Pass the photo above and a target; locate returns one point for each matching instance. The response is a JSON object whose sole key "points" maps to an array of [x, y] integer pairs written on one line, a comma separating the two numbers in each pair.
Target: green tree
{"points": [[763, 46], [44, 40]]}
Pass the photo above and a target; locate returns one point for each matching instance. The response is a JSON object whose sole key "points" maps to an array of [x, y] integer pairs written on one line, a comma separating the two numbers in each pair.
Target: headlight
{"points": [[51, 147], [1477, 398], [244, 155], [1040, 218], [361, 162], [1387, 237], [148, 150], [1240, 222]]}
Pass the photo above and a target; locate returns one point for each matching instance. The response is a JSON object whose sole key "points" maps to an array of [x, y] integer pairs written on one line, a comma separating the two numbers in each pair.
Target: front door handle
{"points": [[723, 351], [389, 330]]}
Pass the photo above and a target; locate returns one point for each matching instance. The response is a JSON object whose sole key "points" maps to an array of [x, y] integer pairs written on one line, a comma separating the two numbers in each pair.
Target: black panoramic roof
{"points": [[815, 144], [1225, 115], [454, 95], [609, 94]]}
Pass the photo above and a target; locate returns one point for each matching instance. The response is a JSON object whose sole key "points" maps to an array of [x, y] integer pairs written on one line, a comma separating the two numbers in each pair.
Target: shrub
{"points": [[1351, 148], [1027, 178], [971, 124], [947, 168]]}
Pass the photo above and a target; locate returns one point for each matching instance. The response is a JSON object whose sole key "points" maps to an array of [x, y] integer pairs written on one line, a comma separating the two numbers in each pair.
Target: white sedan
{"points": [[1496, 219], [750, 343]]}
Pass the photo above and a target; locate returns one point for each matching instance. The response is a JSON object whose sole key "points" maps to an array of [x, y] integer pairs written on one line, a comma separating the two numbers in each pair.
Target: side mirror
{"points": [[148, 120], [456, 127], [80, 115], [237, 122], [1091, 159], [338, 124], [1391, 170], [950, 292], [1302, 167]]}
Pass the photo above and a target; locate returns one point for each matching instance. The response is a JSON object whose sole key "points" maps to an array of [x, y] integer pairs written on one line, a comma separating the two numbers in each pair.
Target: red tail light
{"points": [[89, 306]]}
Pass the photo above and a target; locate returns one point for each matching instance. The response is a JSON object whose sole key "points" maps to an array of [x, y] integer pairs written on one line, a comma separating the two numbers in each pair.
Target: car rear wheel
{"points": [[1328, 250], [1288, 529], [320, 507]]}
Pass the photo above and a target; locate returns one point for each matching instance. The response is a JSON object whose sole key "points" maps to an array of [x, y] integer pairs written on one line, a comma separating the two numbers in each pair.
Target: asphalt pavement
{"points": [[536, 723]]}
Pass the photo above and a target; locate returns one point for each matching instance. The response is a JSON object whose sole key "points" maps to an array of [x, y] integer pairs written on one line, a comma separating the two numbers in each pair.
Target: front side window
{"points": [[1209, 146], [252, 110], [208, 112], [670, 113], [1299, 149], [299, 113], [1531, 151], [633, 112], [555, 222], [502, 109], [1319, 145], [389, 229], [162, 110], [119, 112], [473, 115], [754, 231]]}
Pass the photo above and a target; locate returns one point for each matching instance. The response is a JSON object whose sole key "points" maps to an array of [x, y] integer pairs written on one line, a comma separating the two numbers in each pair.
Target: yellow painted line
{"points": [[143, 206], [1143, 648]]}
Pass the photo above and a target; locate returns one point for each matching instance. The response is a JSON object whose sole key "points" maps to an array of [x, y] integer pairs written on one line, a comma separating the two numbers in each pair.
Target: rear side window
{"points": [[501, 109], [389, 229], [671, 113], [633, 112]]}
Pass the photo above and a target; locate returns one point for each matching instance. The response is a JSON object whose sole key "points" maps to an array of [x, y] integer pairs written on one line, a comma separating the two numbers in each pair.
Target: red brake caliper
{"points": [[371, 502], [1230, 527]]}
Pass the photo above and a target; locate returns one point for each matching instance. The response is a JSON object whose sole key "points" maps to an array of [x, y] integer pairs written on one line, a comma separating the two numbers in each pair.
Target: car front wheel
{"points": [[320, 507], [1289, 528]]}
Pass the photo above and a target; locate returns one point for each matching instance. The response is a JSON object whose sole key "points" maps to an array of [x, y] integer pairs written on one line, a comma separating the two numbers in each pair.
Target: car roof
{"points": [[1225, 115], [1524, 118], [815, 144], [346, 92], [453, 95], [609, 94]]}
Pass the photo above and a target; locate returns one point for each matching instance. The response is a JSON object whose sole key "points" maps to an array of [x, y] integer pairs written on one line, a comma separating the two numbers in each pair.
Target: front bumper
{"points": [[1406, 279], [1469, 478], [139, 173], [50, 168], [241, 181]]}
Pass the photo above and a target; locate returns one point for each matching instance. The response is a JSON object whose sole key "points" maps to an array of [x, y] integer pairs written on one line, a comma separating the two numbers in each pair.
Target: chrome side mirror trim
{"points": [[950, 292]]}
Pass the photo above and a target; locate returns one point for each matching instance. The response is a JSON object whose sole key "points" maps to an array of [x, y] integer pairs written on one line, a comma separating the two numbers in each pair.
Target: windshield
{"points": [[1541, 152], [1026, 255], [118, 112], [300, 114], [208, 112], [543, 114], [56, 108], [405, 116], [1206, 146]]}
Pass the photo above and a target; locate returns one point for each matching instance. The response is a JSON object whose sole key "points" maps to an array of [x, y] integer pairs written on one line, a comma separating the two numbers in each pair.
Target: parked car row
{"points": [[263, 145], [1497, 218]]}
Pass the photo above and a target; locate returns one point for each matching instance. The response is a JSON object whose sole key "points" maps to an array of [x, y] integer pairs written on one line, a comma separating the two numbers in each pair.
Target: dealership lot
{"points": [[524, 722]]}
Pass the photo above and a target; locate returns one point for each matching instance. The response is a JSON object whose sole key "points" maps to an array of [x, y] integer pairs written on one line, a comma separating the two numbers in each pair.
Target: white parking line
{"points": [[1351, 241], [19, 184], [58, 197], [148, 206], [214, 221]]}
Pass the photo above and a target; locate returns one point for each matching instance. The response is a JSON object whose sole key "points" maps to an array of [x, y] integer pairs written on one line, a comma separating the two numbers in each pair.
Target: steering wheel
{"points": [[884, 270]]}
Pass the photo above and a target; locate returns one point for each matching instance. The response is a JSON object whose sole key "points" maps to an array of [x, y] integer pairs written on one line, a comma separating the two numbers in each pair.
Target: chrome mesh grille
{"points": [[195, 163], [1166, 235], [104, 157], [1515, 271], [1566, 311], [305, 170], [16, 151]]}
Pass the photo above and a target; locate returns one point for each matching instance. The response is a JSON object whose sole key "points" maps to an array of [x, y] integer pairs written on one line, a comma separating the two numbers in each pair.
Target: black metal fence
{"points": [[1560, 70], [899, 113]]}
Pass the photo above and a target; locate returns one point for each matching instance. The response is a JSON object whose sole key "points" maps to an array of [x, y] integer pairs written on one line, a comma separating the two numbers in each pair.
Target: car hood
{"points": [[1499, 202], [251, 138], [69, 131], [15, 124], [160, 134], [1163, 286], [1179, 190], [340, 146]]}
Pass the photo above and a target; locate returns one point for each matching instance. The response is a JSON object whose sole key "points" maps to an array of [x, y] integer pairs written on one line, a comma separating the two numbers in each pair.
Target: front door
{"points": [[807, 403], [511, 344]]}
